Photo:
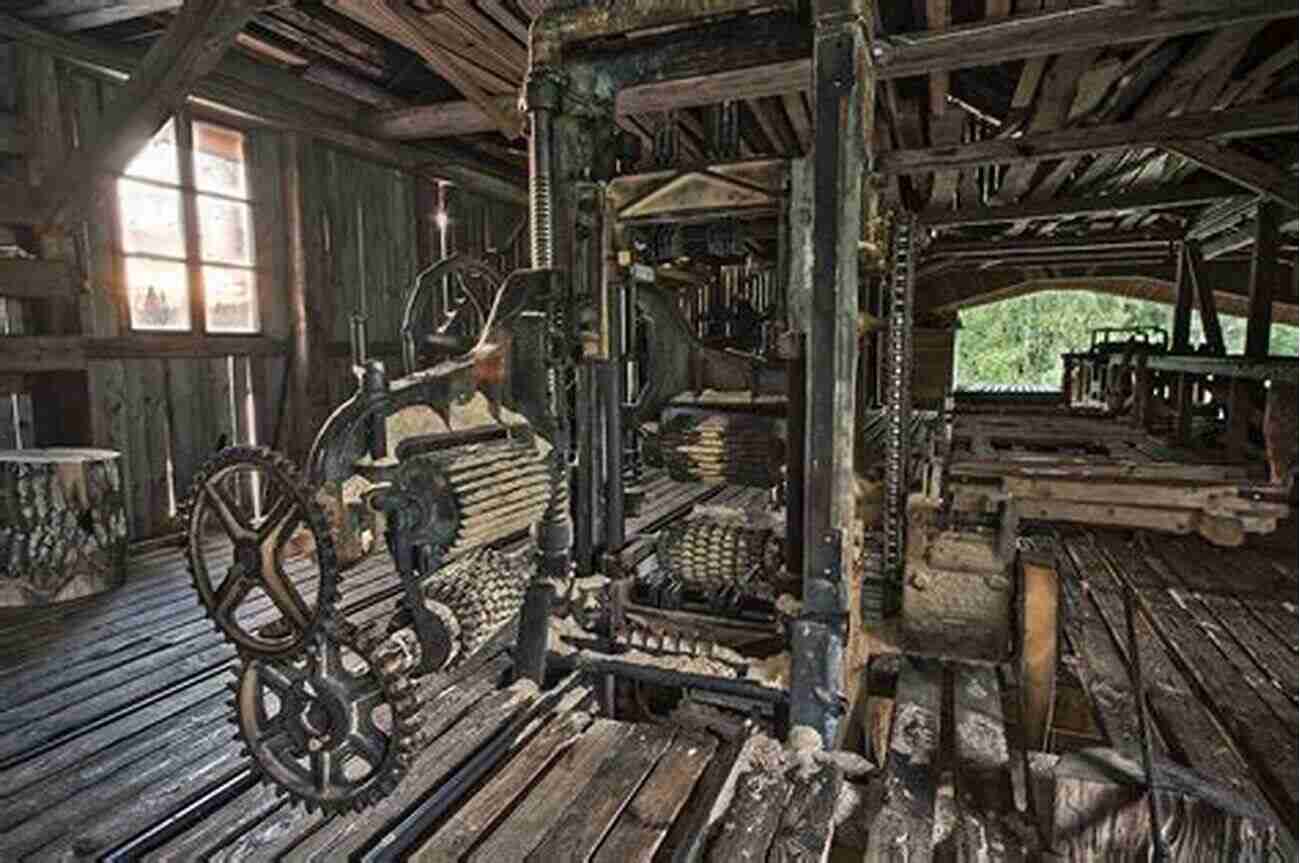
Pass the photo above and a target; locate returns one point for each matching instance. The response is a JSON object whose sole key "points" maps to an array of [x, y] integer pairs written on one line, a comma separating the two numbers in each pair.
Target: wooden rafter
{"points": [[1042, 34], [1181, 196], [114, 13], [1261, 177], [452, 119], [399, 22], [193, 44], [1254, 120]]}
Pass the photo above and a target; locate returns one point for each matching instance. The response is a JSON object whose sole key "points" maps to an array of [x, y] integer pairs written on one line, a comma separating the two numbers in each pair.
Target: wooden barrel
{"points": [[62, 525]]}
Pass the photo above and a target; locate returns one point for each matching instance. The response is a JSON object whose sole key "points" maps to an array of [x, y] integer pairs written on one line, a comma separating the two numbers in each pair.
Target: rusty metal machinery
{"points": [[328, 709]]}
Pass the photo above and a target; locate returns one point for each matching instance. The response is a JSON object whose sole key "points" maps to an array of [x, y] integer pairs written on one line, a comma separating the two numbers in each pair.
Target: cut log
{"points": [[62, 525]]}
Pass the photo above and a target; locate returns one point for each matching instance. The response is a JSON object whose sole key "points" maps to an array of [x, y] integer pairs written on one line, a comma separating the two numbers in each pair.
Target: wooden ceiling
{"points": [[1140, 123]]}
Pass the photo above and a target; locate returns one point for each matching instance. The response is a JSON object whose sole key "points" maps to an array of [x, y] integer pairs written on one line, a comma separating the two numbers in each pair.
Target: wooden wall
{"points": [[168, 415], [369, 229]]}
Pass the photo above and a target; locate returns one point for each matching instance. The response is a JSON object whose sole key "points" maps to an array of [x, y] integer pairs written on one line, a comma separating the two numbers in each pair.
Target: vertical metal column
{"points": [[554, 532], [611, 377], [898, 395], [819, 688]]}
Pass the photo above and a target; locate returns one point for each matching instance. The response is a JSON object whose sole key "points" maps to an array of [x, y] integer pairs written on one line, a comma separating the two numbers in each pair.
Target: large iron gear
{"points": [[254, 497], [335, 725]]}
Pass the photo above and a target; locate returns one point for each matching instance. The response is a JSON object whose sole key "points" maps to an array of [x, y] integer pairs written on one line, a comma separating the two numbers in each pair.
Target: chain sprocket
{"points": [[256, 499], [336, 725]]}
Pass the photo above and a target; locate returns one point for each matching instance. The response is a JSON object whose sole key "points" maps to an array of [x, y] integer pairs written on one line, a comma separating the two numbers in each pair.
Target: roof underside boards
{"points": [[1185, 98]]}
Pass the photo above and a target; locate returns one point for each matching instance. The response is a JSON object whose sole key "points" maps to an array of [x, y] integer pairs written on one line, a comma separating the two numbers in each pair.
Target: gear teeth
{"points": [[315, 521]]}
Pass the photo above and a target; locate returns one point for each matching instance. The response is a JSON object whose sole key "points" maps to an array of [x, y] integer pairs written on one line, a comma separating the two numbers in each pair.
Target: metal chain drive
{"points": [[898, 410]]}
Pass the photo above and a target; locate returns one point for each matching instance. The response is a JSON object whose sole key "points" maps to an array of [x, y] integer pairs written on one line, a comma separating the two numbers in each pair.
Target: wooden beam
{"points": [[1265, 279], [1205, 301], [768, 119], [1254, 120], [191, 47], [70, 353], [22, 278], [265, 95], [797, 114], [401, 23], [1189, 195], [989, 43], [1258, 176], [453, 119], [1049, 245], [1181, 333], [113, 14]]}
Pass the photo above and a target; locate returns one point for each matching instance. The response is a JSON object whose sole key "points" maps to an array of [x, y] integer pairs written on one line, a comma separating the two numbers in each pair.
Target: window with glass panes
{"points": [[186, 231]]}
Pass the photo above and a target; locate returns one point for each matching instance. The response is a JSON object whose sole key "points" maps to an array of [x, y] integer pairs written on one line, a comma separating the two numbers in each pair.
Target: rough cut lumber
{"points": [[1266, 119], [191, 47]]}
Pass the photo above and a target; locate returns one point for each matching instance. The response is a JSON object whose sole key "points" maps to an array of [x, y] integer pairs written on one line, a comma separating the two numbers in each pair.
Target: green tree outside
{"points": [[1020, 340]]}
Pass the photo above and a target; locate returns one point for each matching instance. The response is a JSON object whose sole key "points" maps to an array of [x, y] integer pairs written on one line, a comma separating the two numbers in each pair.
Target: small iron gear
{"points": [[336, 725], [255, 498]]}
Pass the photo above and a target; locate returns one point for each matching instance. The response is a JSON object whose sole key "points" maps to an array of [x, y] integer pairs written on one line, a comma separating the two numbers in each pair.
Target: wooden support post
{"points": [[1182, 329], [302, 428], [1143, 381], [1205, 302], [1183, 403], [825, 670], [1265, 279], [191, 47]]}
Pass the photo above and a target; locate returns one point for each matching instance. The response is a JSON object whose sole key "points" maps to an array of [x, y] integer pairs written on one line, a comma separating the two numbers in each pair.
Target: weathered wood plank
{"points": [[906, 817], [1100, 665], [982, 764], [807, 825], [753, 817], [1194, 736], [643, 824], [103, 815], [229, 822], [528, 822], [577, 832], [454, 838]]}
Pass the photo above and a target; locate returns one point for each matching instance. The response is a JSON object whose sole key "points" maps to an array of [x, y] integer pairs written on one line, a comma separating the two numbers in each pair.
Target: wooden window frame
{"points": [[184, 119]]}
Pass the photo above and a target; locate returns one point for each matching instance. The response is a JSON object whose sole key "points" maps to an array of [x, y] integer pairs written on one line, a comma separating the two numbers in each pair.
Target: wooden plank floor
{"points": [[115, 742], [1218, 644]]}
